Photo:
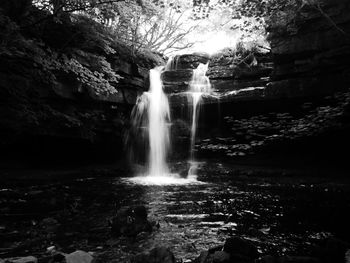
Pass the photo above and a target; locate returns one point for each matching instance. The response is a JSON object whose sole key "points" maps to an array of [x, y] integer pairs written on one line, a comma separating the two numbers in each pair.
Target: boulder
{"points": [[241, 249], [130, 221], [155, 255], [235, 250], [79, 256]]}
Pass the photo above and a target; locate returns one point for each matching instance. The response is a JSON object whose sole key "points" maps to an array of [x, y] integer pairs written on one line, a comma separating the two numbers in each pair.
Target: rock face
{"points": [[302, 84], [311, 50], [228, 73], [65, 102], [309, 57], [225, 73]]}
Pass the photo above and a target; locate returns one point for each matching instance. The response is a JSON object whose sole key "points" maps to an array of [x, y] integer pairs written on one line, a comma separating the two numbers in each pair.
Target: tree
{"points": [[161, 29], [141, 24]]}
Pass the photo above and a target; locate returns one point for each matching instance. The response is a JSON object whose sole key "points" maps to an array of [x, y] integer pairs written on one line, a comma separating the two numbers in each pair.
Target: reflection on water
{"points": [[281, 215]]}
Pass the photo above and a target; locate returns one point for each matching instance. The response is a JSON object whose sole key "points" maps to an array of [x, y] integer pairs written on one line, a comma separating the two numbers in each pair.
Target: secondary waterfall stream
{"points": [[199, 85]]}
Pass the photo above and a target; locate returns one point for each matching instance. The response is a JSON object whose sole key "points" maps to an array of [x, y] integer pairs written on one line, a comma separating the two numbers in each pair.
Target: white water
{"points": [[172, 63], [199, 85], [159, 118], [151, 114], [170, 179]]}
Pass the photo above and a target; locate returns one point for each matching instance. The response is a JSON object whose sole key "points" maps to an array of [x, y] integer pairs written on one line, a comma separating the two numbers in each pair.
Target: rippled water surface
{"points": [[280, 214]]}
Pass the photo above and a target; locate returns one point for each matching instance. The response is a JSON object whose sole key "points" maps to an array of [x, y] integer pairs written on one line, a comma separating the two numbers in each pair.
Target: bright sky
{"points": [[212, 42], [215, 33]]}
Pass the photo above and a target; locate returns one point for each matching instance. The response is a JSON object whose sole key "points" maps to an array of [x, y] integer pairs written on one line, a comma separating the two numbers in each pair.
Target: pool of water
{"points": [[282, 214]]}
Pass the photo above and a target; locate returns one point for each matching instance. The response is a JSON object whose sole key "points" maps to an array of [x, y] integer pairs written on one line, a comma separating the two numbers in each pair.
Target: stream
{"points": [[281, 214]]}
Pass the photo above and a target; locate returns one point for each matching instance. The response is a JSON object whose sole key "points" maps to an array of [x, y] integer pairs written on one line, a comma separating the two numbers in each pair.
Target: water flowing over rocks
{"points": [[299, 88], [226, 75]]}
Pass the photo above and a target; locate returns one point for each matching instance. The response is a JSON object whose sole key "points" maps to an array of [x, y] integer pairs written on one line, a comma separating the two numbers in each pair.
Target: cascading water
{"points": [[151, 114], [151, 121], [159, 118], [199, 85], [172, 63]]}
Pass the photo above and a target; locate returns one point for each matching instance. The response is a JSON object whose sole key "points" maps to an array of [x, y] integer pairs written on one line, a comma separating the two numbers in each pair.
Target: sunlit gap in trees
{"points": [[171, 26], [213, 26]]}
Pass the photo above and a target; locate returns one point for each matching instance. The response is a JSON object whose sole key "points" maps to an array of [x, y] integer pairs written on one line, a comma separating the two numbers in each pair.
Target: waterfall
{"points": [[151, 115], [150, 121], [199, 85], [159, 117], [172, 63]]}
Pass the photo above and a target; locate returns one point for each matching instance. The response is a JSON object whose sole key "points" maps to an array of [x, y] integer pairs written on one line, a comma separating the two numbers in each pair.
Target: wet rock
{"points": [[203, 257], [208, 256], [241, 249], [79, 257], [190, 61], [234, 250], [176, 80], [29, 259], [49, 225], [221, 257], [131, 221], [155, 255], [58, 258]]}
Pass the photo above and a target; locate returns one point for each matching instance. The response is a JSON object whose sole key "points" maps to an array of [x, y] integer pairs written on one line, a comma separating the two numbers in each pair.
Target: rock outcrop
{"points": [[65, 101], [130, 221], [228, 75], [299, 90], [311, 50]]}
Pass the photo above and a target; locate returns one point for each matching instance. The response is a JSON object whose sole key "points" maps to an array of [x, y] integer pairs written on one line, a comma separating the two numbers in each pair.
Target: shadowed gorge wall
{"points": [[66, 89], [290, 104]]}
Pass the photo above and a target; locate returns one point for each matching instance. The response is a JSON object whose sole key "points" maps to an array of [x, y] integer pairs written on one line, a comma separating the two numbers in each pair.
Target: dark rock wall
{"points": [[311, 50], [289, 106], [62, 103]]}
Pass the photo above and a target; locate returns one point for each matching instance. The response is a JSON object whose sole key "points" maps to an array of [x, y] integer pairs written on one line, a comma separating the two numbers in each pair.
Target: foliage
{"points": [[92, 71], [139, 24], [89, 35], [256, 133], [240, 55]]}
